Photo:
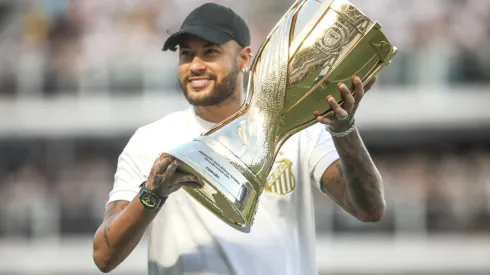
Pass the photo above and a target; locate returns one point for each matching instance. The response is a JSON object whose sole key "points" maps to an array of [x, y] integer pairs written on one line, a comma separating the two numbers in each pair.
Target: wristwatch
{"points": [[150, 199]]}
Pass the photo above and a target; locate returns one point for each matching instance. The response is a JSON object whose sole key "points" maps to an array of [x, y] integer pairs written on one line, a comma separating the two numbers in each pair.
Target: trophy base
{"points": [[225, 192]]}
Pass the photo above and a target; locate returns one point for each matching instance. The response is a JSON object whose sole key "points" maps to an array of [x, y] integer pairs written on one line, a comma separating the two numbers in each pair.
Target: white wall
{"points": [[394, 108], [339, 255]]}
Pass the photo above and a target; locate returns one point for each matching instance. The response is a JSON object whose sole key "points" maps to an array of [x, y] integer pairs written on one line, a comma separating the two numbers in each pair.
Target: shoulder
{"points": [[316, 130], [170, 120], [146, 135], [315, 134], [315, 139]]}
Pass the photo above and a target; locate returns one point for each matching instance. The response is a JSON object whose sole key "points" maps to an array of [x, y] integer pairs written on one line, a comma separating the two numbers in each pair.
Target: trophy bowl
{"points": [[314, 46]]}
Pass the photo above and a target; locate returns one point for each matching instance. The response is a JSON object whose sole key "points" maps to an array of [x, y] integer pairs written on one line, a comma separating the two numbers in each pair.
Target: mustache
{"points": [[209, 75]]}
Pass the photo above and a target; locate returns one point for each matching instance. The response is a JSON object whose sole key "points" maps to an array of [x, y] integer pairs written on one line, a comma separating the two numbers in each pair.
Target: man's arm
{"points": [[126, 222], [122, 229], [353, 181]]}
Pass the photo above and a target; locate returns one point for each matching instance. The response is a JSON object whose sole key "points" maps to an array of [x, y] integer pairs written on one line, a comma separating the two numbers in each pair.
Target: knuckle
{"points": [[165, 156], [173, 166]]}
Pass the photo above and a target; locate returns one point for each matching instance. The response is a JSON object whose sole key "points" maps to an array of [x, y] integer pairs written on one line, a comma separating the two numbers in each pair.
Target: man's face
{"points": [[208, 73]]}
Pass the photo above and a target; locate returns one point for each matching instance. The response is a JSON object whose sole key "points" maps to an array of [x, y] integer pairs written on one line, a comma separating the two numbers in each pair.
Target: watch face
{"points": [[149, 200]]}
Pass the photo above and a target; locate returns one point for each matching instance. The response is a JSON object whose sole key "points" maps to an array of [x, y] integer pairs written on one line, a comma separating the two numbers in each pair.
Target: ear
{"points": [[245, 58]]}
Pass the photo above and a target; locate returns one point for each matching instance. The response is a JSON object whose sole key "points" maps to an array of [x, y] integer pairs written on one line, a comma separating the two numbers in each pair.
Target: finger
{"points": [[323, 120], [169, 173], [161, 165], [347, 96], [165, 155], [317, 113], [368, 86], [327, 114], [191, 184], [181, 177], [359, 88], [339, 111]]}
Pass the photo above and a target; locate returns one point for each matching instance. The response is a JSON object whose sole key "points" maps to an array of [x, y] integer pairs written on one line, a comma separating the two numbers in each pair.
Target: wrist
{"points": [[149, 198], [148, 185], [341, 133]]}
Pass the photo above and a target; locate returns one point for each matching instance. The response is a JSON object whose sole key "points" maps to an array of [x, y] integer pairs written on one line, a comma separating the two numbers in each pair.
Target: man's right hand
{"points": [[165, 178]]}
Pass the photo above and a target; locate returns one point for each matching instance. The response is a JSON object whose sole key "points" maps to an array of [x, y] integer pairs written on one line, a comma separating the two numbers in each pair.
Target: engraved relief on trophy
{"points": [[352, 14], [322, 48]]}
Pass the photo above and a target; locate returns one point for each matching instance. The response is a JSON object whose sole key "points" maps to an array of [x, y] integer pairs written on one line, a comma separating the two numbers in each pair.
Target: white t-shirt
{"points": [[186, 238]]}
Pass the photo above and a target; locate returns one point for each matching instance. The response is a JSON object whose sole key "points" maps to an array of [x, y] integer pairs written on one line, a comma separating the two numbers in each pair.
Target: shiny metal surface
{"points": [[315, 45]]}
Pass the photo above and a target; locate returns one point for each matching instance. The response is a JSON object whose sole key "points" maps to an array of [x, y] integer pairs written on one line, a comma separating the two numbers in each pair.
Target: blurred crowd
{"points": [[61, 190], [89, 47], [80, 47]]}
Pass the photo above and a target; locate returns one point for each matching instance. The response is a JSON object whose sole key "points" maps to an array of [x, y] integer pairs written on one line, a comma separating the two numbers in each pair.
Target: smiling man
{"points": [[185, 238]]}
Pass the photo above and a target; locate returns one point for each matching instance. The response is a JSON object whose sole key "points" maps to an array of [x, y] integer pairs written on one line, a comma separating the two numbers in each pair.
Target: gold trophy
{"points": [[314, 46]]}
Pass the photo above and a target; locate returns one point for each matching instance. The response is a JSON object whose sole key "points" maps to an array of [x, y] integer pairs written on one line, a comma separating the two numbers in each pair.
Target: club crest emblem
{"points": [[281, 180]]}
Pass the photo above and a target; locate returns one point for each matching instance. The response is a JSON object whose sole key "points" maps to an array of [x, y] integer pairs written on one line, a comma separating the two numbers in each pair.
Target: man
{"points": [[185, 238]]}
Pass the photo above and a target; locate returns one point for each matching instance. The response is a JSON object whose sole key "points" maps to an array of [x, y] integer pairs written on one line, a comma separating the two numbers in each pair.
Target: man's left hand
{"points": [[341, 118]]}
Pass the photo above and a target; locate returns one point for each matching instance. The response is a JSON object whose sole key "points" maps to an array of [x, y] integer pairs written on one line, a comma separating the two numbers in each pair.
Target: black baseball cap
{"points": [[214, 23]]}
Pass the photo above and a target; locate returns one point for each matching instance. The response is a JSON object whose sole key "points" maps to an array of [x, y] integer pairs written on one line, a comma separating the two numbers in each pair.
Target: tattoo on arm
{"points": [[339, 167], [358, 187], [112, 210], [334, 185]]}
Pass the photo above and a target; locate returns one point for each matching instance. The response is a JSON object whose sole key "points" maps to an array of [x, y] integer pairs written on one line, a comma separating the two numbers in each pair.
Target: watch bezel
{"points": [[146, 193]]}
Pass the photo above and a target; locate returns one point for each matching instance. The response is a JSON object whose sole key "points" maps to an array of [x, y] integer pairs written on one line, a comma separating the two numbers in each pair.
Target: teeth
{"points": [[199, 80]]}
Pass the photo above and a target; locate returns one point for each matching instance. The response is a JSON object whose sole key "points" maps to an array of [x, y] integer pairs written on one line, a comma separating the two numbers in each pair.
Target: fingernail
{"points": [[340, 84], [357, 80], [343, 86]]}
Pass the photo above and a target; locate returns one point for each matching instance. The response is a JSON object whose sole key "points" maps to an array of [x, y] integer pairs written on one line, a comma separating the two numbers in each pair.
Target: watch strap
{"points": [[150, 199]]}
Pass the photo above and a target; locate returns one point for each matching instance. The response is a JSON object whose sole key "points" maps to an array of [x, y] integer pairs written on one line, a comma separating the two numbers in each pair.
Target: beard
{"points": [[222, 90]]}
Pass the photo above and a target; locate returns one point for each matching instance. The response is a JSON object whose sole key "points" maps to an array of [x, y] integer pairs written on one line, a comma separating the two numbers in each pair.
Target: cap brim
{"points": [[203, 32]]}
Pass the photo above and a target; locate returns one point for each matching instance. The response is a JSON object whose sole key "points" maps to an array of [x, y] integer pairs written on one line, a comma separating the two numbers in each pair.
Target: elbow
{"points": [[373, 218], [102, 264], [101, 259], [375, 214], [104, 268], [376, 209]]}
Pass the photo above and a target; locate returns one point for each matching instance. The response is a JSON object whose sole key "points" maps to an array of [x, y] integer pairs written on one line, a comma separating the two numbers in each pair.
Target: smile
{"points": [[199, 82]]}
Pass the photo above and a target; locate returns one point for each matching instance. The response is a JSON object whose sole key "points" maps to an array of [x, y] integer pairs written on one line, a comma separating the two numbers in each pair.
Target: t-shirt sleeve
{"points": [[129, 175], [322, 152]]}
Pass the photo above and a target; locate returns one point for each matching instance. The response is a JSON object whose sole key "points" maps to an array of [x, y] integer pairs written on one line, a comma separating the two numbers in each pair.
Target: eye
{"points": [[185, 53], [212, 51]]}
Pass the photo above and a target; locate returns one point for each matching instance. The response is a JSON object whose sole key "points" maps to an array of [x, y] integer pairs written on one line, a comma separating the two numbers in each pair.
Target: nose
{"points": [[197, 65]]}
